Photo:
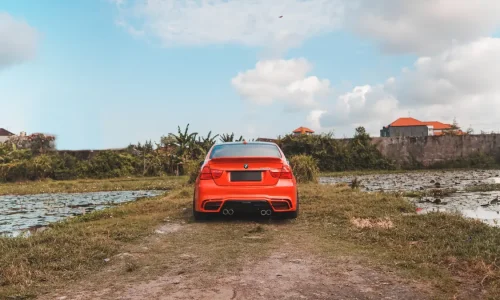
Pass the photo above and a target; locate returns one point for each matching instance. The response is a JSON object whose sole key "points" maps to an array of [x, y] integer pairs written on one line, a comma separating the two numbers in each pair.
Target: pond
{"points": [[472, 193], [19, 213]]}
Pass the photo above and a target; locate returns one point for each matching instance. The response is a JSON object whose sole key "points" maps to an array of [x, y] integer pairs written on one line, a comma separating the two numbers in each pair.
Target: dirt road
{"points": [[238, 260]]}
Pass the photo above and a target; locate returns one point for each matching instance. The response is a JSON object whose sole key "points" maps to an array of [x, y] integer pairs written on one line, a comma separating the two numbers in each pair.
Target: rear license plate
{"points": [[246, 176]]}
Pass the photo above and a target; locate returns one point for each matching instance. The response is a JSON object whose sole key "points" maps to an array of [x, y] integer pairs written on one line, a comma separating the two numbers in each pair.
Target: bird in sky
{"points": [[281, 17]]}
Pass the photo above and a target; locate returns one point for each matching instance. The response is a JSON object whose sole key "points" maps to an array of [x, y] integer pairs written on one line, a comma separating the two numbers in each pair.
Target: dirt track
{"points": [[264, 263]]}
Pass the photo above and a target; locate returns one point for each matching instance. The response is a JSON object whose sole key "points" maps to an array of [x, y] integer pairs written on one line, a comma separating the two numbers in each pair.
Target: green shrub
{"points": [[192, 169], [337, 155], [305, 168], [109, 164], [16, 171]]}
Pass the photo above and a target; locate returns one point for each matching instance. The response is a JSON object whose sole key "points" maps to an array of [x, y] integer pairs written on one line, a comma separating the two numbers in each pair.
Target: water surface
{"points": [[21, 212], [482, 206]]}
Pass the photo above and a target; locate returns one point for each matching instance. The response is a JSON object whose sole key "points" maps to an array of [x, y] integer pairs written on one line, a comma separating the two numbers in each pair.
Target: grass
{"points": [[372, 172], [447, 250], [90, 185], [430, 193], [483, 188]]}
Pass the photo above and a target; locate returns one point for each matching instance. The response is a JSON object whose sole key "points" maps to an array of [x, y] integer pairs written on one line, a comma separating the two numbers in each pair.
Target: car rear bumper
{"points": [[211, 198]]}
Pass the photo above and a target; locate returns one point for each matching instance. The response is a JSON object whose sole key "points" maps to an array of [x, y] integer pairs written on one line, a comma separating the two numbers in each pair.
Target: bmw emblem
{"points": [[245, 166]]}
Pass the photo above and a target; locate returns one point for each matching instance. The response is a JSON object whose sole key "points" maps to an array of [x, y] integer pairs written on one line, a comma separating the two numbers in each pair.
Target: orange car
{"points": [[243, 177]]}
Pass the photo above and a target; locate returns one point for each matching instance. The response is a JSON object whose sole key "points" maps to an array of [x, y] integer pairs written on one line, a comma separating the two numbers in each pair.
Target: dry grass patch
{"points": [[90, 185], [367, 223]]}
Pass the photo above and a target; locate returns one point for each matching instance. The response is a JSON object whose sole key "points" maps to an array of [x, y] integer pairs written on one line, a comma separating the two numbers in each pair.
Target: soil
{"points": [[290, 270]]}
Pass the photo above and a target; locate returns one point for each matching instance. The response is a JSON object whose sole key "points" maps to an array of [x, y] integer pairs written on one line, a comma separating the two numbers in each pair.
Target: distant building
{"points": [[303, 130], [414, 127], [4, 135]]}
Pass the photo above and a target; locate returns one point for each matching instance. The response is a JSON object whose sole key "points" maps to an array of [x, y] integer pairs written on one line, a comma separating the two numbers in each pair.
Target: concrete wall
{"points": [[87, 154], [433, 149], [409, 131]]}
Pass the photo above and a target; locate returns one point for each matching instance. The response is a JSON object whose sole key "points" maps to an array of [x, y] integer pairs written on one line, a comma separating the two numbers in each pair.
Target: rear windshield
{"points": [[245, 150]]}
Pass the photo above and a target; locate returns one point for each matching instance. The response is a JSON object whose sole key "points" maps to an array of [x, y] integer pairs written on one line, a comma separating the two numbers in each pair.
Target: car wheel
{"points": [[292, 214], [295, 214], [198, 216]]}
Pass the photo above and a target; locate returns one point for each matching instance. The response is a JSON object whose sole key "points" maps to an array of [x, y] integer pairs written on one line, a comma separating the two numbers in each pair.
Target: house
{"points": [[303, 130], [414, 127], [4, 135]]}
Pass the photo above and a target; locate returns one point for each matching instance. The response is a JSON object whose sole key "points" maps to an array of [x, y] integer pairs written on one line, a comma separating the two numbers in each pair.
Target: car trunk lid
{"points": [[247, 171]]}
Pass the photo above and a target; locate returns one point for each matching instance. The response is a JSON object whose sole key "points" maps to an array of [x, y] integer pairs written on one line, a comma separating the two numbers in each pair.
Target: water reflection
{"points": [[483, 206], [21, 212]]}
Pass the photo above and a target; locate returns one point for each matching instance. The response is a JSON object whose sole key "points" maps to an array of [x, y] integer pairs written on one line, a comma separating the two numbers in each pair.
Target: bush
{"points": [[192, 169], [16, 171], [305, 168], [108, 164], [337, 155]]}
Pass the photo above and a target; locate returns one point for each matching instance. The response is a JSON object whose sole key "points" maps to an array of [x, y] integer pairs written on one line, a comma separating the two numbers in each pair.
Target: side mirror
{"points": [[201, 163]]}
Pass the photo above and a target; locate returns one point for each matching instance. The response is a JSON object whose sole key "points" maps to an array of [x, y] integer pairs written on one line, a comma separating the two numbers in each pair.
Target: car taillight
{"points": [[216, 174], [284, 173], [207, 173]]}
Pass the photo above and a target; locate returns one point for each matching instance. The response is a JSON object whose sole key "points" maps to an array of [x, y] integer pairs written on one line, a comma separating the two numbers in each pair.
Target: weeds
{"points": [[483, 188], [91, 185], [305, 168], [355, 183], [430, 193]]}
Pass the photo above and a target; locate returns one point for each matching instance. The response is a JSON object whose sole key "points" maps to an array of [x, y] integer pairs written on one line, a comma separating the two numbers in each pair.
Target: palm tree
{"points": [[184, 142], [207, 142], [226, 138]]}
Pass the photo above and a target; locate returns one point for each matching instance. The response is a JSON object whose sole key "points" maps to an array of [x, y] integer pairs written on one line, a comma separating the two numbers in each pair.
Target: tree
{"points": [[184, 142], [38, 143], [470, 130], [226, 138], [454, 129], [207, 142]]}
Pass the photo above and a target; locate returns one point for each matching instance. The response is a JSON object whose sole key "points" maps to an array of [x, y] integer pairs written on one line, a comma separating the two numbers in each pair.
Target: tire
{"points": [[295, 214], [198, 216], [291, 214]]}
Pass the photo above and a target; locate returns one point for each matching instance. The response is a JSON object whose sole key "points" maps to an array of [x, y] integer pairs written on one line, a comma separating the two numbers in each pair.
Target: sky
{"points": [[106, 73]]}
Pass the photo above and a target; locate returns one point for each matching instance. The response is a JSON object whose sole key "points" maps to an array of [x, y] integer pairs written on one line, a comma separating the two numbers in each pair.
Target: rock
{"points": [[107, 259]]}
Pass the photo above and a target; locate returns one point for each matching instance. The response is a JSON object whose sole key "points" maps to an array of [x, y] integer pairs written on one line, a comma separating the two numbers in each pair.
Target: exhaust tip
{"points": [[266, 212], [225, 212], [230, 212]]}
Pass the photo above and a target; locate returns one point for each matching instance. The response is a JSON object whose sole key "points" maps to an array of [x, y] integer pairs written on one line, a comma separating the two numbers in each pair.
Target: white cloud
{"points": [[314, 118], [18, 41], [460, 83], [283, 81], [251, 23], [424, 26]]}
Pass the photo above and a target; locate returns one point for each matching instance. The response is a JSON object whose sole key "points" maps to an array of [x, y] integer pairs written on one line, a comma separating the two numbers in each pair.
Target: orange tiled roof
{"points": [[402, 122], [303, 130], [438, 125], [457, 132]]}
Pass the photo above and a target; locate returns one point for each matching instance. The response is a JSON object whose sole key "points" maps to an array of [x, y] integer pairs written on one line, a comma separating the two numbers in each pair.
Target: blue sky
{"points": [[108, 73]]}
